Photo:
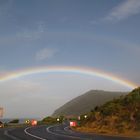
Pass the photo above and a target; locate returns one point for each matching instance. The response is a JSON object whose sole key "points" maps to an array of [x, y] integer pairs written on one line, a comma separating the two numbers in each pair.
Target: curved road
{"points": [[57, 132]]}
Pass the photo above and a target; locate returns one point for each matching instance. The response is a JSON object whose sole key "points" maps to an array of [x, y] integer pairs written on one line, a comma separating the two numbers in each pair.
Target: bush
{"points": [[14, 121], [49, 120]]}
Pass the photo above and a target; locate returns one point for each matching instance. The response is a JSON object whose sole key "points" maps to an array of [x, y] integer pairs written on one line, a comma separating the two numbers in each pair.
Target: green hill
{"points": [[119, 116], [86, 102]]}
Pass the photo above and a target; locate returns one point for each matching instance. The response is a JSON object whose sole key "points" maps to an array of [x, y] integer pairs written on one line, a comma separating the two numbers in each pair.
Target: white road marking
{"points": [[37, 137], [10, 136], [75, 137], [66, 129]]}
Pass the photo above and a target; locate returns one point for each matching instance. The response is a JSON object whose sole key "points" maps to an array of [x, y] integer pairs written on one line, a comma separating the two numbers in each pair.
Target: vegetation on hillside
{"points": [[120, 115]]}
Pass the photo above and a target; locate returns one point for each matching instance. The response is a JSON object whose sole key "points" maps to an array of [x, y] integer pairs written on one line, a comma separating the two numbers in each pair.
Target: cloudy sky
{"points": [[101, 34]]}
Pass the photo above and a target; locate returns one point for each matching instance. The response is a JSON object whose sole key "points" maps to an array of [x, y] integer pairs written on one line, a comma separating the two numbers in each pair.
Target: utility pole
{"points": [[1, 112]]}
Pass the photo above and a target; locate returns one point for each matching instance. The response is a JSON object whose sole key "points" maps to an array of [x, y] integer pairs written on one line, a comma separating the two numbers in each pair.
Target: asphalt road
{"points": [[59, 132]]}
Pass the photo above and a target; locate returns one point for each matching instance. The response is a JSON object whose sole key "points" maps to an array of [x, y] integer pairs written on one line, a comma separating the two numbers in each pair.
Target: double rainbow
{"points": [[65, 69]]}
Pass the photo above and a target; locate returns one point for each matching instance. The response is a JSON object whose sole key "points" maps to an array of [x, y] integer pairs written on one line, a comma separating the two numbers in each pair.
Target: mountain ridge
{"points": [[86, 102]]}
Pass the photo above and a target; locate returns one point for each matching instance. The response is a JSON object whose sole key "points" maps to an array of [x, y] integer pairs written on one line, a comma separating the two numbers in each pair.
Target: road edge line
{"points": [[75, 137], [27, 133]]}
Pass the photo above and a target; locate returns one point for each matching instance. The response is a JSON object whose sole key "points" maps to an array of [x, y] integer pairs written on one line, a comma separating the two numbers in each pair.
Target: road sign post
{"points": [[1, 112]]}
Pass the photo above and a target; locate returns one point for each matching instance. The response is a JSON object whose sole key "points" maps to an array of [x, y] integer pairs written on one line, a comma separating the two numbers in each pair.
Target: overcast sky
{"points": [[101, 34]]}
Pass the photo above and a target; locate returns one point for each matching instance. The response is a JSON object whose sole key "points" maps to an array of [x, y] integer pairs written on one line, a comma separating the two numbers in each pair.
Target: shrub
{"points": [[14, 121]]}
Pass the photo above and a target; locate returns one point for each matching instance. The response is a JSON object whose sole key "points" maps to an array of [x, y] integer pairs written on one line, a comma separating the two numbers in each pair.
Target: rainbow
{"points": [[66, 69]]}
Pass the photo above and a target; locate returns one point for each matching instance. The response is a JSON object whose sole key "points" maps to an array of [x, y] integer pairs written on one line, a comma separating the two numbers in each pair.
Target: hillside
{"points": [[86, 102], [119, 116]]}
